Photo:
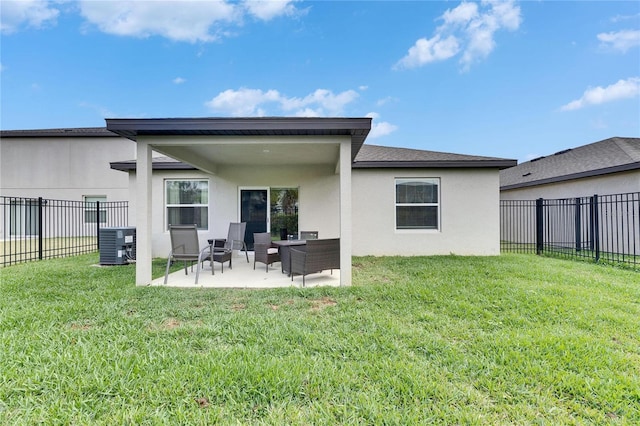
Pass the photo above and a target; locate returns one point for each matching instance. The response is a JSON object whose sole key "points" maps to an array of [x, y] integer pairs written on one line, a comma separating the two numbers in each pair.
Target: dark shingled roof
{"points": [[599, 158], [374, 156], [68, 132]]}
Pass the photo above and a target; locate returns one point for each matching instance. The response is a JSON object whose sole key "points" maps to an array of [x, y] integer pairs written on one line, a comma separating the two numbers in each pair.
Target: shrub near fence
{"points": [[605, 227], [38, 228]]}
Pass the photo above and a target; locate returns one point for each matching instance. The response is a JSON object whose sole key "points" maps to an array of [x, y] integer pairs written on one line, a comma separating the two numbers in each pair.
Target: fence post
{"points": [[40, 230], [578, 215], [596, 226], [539, 226], [98, 223]]}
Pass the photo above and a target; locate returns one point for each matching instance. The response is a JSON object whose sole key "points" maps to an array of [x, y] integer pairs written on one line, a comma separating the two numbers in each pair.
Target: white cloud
{"points": [[190, 21], [429, 50], [620, 18], [253, 102], [379, 129], [383, 101], [468, 28], [623, 89], [179, 80], [620, 40], [29, 13], [461, 15], [179, 20], [243, 102], [269, 9], [325, 101]]}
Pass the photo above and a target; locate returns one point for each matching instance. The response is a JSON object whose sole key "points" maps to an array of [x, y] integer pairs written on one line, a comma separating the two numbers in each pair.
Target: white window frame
{"points": [[432, 180], [167, 205], [92, 200]]}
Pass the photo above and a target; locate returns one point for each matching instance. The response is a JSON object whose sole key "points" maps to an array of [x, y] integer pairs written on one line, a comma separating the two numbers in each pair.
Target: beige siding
{"points": [[64, 168], [318, 198], [469, 210], [618, 183]]}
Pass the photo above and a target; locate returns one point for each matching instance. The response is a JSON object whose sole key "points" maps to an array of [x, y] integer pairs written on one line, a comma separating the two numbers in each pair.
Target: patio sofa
{"points": [[315, 256]]}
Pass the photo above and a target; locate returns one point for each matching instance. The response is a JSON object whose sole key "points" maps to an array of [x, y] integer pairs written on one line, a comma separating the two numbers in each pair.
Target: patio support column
{"points": [[143, 213], [345, 213]]}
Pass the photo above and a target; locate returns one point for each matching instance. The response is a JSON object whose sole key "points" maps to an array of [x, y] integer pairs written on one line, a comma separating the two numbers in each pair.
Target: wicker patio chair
{"points": [[315, 256], [264, 250]]}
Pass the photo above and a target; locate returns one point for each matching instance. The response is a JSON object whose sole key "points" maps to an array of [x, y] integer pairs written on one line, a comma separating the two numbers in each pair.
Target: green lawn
{"points": [[517, 339]]}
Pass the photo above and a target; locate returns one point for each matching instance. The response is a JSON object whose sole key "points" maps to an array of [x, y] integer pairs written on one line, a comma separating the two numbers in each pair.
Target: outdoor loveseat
{"points": [[315, 256]]}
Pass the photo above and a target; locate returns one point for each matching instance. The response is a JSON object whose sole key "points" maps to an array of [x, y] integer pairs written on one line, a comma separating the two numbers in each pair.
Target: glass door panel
{"points": [[254, 210], [284, 212]]}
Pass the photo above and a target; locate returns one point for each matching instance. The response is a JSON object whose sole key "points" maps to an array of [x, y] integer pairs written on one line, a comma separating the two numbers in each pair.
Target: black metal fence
{"points": [[38, 228], [600, 227]]}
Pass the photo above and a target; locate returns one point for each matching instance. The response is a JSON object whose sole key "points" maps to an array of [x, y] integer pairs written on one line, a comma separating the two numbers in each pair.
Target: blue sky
{"points": [[498, 78]]}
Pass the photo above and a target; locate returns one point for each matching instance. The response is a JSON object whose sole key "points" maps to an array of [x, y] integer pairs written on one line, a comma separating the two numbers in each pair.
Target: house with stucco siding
{"points": [[212, 171]]}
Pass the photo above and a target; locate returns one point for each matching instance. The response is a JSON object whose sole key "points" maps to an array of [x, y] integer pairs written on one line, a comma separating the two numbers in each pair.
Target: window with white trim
{"points": [[91, 206], [417, 203], [187, 202]]}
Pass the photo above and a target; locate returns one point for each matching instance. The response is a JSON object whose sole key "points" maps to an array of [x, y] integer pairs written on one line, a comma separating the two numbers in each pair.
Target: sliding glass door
{"points": [[273, 210]]}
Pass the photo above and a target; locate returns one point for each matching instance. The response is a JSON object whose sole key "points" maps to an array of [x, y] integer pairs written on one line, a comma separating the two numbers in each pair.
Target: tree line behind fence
{"points": [[599, 227], [39, 228]]}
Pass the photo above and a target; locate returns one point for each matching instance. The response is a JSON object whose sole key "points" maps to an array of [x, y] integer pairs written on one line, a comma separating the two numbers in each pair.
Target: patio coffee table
{"points": [[285, 254]]}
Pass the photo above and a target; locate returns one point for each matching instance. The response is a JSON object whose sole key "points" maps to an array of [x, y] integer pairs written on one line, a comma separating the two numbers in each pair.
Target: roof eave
{"points": [[499, 164], [573, 176], [356, 128], [129, 166]]}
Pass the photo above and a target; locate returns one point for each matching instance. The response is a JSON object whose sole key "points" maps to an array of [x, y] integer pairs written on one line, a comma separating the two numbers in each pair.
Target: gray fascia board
{"points": [[581, 175], [131, 166], [93, 132], [499, 164]]}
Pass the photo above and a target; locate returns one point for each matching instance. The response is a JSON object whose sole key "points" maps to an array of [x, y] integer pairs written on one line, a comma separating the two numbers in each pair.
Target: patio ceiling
{"points": [[267, 141], [207, 155]]}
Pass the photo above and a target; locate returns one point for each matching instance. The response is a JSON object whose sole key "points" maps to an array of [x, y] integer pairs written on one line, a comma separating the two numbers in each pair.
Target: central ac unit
{"points": [[117, 245]]}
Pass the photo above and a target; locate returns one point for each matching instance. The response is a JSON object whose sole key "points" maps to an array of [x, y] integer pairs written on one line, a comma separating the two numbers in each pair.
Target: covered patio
{"points": [[242, 275], [314, 155]]}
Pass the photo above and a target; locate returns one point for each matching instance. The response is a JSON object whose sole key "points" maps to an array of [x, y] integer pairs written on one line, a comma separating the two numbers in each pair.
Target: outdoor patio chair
{"points": [[235, 238], [185, 247], [308, 235], [264, 250]]}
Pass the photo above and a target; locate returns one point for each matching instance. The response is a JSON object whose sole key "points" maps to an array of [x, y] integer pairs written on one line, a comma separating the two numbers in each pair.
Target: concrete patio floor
{"points": [[242, 275]]}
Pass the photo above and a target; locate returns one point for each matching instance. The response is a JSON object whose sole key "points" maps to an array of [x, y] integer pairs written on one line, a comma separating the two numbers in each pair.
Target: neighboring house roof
{"points": [[68, 132], [611, 155], [374, 156]]}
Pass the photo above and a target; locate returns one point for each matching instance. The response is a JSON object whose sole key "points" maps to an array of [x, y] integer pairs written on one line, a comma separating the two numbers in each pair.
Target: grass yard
{"points": [[517, 339]]}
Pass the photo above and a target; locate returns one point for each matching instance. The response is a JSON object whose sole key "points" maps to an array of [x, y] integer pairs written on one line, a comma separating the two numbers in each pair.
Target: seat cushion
{"points": [[272, 250]]}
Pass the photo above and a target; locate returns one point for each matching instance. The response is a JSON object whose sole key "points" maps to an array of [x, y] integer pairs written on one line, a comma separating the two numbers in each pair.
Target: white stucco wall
{"points": [[617, 183], [64, 168], [469, 209], [318, 199]]}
